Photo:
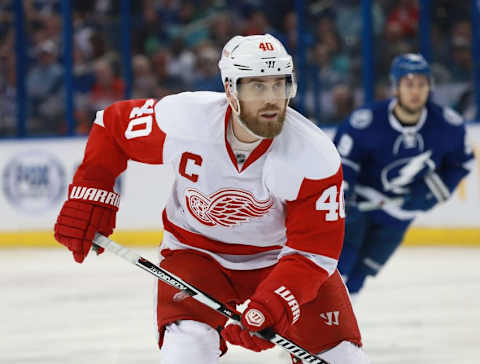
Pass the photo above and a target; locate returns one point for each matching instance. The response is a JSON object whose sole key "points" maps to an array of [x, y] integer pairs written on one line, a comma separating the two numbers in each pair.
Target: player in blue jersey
{"points": [[400, 157]]}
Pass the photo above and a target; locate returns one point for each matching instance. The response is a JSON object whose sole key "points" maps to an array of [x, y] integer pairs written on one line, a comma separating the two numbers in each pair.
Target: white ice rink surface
{"points": [[423, 308]]}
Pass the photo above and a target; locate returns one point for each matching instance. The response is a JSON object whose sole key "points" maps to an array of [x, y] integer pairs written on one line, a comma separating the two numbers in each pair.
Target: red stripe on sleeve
{"points": [[308, 228], [108, 147]]}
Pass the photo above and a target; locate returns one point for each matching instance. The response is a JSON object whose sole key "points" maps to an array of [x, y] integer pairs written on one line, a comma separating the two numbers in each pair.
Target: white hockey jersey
{"points": [[286, 199]]}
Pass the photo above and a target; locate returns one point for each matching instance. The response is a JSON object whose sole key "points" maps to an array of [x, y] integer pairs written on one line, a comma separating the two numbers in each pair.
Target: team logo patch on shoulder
{"points": [[226, 207], [452, 117], [360, 119], [345, 145]]}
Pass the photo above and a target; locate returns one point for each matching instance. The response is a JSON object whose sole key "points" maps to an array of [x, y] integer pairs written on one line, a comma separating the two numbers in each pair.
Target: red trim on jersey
{"points": [[257, 152], [307, 228], [200, 241], [145, 149], [227, 144], [308, 231], [254, 155], [108, 149]]}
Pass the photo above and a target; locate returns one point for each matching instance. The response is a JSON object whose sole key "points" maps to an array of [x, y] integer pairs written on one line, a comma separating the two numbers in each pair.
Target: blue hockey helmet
{"points": [[409, 63]]}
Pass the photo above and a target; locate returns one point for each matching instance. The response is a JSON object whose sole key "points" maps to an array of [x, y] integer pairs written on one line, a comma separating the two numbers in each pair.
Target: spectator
{"points": [[83, 75], [83, 114], [167, 82], [169, 32], [349, 22], [8, 97], [324, 24], [340, 61], [221, 29], [461, 65], [206, 69], [323, 59], [182, 61], [149, 34], [402, 20], [256, 23], [108, 87], [143, 79], [44, 84], [382, 91], [466, 104], [168, 12], [440, 54], [188, 25], [288, 33], [343, 103], [98, 45], [6, 19]]}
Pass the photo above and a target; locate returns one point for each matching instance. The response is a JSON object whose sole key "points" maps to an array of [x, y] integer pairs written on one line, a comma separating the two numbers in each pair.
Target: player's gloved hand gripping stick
{"points": [[101, 241]]}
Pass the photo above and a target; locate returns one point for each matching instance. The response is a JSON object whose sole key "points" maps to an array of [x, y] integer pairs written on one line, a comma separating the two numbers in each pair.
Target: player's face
{"points": [[263, 103], [412, 92]]}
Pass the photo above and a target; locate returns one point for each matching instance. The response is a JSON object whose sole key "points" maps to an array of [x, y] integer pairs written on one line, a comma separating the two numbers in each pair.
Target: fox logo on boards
{"points": [[33, 181]]}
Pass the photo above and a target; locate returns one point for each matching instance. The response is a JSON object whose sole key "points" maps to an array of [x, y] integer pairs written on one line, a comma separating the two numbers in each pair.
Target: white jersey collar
{"points": [[401, 128], [260, 148]]}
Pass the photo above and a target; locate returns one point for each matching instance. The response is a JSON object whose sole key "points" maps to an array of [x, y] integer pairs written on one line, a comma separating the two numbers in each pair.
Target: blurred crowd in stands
{"points": [[176, 45]]}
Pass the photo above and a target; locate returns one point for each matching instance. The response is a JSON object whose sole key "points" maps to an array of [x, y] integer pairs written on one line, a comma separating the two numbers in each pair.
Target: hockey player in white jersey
{"points": [[256, 211]]}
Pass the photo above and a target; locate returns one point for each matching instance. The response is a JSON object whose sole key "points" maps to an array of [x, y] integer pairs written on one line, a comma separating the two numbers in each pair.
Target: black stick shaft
{"points": [[174, 281]]}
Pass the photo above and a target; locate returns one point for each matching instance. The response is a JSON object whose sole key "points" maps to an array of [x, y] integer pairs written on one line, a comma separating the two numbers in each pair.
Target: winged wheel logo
{"points": [[226, 207]]}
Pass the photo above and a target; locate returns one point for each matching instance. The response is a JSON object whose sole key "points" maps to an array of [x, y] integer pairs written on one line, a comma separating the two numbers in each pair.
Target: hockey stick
{"points": [[378, 205], [178, 283], [378, 202]]}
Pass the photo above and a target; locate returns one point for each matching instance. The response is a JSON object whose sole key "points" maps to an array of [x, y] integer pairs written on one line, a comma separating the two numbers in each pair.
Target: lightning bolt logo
{"points": [[407, 173]]}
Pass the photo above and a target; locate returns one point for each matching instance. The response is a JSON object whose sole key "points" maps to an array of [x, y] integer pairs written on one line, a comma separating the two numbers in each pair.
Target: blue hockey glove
{"points": [[426, 193]]}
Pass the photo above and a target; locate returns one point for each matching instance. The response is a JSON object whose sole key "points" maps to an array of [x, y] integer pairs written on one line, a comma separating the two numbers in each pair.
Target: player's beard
{"points": [[261, 127]]}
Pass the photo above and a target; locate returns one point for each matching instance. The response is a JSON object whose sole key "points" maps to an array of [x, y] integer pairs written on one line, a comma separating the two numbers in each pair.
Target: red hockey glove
{"points": [[87, 211], [277, 310]]}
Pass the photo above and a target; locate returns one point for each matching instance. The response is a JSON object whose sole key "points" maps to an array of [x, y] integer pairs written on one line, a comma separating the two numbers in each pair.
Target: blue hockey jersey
{"points": [[382, 158]]}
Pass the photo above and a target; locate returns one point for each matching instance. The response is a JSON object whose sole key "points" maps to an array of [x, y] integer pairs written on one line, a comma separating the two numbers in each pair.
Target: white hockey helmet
{"points": [[256, 56]]}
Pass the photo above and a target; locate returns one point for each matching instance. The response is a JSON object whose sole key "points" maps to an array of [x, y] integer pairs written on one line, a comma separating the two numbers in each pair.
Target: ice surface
{"points": [[423, 308]]}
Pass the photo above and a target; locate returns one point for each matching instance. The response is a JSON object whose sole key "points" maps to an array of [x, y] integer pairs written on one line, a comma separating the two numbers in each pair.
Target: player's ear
{"points": [[233, 101], [227, 90]]}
